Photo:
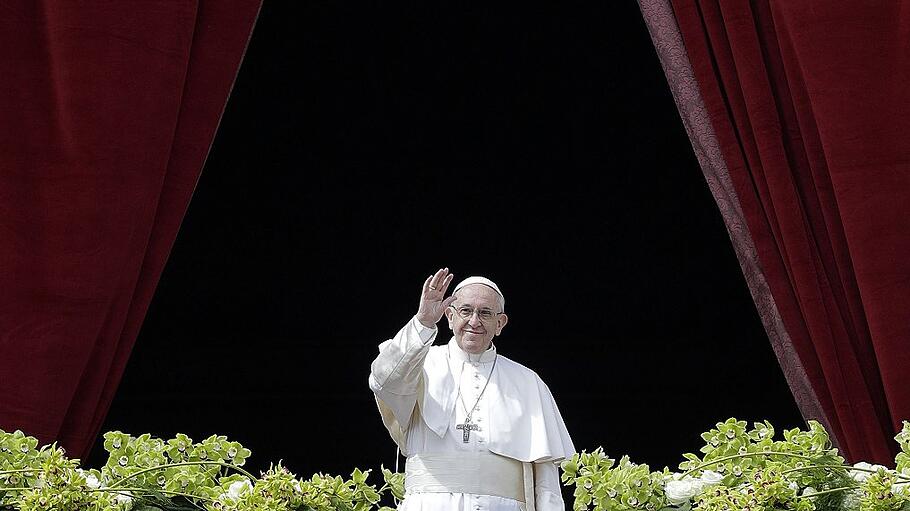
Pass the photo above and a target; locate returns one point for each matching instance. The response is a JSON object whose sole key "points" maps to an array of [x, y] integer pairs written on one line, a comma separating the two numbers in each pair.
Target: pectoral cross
{"points": [[467, 427]]}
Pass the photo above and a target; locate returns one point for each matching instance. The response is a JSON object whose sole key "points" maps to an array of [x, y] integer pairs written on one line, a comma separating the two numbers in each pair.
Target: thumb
{"points": [[448, 301]]}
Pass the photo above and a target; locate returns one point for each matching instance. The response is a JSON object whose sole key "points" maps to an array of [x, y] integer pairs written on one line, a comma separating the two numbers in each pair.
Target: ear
{"points": [[450, 314], [501, 323]]}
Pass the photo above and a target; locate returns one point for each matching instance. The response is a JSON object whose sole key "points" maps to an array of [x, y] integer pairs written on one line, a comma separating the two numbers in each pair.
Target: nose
{"points": [[474, 320]]}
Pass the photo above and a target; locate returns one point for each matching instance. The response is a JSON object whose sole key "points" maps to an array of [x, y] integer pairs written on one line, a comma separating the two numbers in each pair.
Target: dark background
{"points": [[363, 147]]}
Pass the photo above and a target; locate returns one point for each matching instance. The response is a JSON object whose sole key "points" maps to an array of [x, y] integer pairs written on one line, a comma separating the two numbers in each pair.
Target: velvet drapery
{"points": [[109, 110], [798, 111]]}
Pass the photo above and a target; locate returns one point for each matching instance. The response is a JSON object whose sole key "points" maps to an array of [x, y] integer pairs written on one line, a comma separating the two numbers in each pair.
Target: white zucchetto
{"points": [[479, 280]]}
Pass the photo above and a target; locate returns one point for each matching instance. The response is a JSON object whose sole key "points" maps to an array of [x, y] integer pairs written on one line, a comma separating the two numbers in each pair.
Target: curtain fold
{"points": [[810, 125], [111, 112], [668, 42]]}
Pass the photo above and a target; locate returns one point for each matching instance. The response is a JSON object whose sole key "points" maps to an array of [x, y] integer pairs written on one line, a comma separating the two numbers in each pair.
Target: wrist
{"points": [[428, 324]]}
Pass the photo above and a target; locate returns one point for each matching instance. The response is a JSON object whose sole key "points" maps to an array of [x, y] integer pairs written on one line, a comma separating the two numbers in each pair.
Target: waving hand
{"points": [[432, 303]]}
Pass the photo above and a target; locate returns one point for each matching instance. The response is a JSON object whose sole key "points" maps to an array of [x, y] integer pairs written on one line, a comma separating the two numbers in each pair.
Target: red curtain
{"points": [[109, 110], [808, 115]]}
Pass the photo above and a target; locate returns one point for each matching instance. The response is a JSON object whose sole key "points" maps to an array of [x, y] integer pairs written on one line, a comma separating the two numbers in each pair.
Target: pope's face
{"points": [[473, 333]]}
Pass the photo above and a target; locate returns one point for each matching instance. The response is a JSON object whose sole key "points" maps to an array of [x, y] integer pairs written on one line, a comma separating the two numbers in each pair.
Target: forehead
{"points": [[477, 295]]}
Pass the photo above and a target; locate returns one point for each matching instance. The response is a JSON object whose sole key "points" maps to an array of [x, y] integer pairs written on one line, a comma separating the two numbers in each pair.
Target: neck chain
{"points": [[470, 411]]}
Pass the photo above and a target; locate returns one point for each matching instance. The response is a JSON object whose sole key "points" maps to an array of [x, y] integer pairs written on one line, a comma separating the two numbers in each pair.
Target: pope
{"points": [[480, 431]]}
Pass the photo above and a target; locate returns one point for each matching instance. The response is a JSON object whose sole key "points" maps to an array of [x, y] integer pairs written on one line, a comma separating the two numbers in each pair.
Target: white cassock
{"points": [[508, 463]]}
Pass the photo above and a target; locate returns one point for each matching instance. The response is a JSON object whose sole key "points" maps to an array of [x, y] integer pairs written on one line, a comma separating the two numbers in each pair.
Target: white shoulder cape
{"points": [[525, 423]]}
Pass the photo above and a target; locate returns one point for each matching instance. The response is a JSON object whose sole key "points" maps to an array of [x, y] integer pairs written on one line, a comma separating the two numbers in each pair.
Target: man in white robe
{"points": [[480, 432]]}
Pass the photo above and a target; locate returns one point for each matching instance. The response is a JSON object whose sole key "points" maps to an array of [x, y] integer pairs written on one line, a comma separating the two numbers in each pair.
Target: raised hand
{"points": [[432, 304]]}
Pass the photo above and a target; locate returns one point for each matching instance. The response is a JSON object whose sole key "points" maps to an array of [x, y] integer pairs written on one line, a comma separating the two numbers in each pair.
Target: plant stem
{"points": [[825, 492], [148, 491], [896, 475], [19, 470], [134, 490], [184, 464], [810, 467], [747, 455]]}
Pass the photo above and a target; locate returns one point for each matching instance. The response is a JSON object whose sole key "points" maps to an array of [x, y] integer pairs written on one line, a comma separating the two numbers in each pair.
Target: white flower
{"points": [[851, 500], [124, 499], [238, 488], [862, 475], [90, 479], [793, 486], [808, 490], [92, 482], [900, 487], [679, 492], [710, 477]]}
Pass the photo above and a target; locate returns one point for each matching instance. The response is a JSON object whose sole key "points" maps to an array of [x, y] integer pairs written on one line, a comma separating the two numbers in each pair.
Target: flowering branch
{"points": [[751, 471]]}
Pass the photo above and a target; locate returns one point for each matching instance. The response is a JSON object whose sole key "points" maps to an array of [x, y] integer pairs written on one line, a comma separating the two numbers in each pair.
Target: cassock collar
{"points": [[456, 354]]}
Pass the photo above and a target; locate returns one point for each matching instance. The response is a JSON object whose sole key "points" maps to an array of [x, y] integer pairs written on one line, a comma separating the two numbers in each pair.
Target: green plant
{"points": [[745, 469], [145, 473]]}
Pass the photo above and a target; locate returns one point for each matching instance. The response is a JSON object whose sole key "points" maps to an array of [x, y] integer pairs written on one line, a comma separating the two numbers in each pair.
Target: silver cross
{"points": [[467, 427]]}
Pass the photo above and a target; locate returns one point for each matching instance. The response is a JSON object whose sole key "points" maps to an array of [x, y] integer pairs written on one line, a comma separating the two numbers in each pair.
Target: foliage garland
{"points": [[744, 469], [150, 474], [740, 469]]}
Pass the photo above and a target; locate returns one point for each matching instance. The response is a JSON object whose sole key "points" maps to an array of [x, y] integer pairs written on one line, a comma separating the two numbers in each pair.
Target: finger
{"points": [[441, 277], [437, 279], [433, 279], [440, 285], [448, 301], [426, 285], [446, 282]]}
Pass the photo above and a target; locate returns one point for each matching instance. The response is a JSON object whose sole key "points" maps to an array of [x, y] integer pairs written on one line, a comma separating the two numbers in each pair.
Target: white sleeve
{"points": [[547, 493], [396, 372]]}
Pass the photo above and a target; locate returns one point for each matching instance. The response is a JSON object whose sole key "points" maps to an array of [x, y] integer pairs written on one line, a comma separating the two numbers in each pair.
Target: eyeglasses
{"points": [[466, 312]]}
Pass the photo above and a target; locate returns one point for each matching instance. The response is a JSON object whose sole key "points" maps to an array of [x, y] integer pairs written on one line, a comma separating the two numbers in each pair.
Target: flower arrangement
{"points": [[739, 469], [743, 469], [150, 474]]}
